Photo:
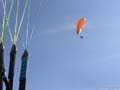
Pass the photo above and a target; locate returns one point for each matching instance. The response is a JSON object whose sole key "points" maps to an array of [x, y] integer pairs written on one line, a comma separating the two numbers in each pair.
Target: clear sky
{"points": [[61, 60]]}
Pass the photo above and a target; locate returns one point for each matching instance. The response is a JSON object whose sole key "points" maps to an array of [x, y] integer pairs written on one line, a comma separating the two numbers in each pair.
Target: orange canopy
{"points": [[80, 25]]}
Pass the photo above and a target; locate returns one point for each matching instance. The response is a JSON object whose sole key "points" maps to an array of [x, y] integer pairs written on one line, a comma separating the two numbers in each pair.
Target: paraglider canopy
{"points": [[80, 25]]}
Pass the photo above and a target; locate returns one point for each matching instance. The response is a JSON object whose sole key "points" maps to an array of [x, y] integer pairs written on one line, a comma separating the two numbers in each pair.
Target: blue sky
{"points": [[59, 59]]}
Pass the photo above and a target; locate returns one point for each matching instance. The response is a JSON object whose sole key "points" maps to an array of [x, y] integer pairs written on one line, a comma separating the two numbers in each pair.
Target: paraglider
{"points": [[81, 37], [14, 38], [79, 26]]}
